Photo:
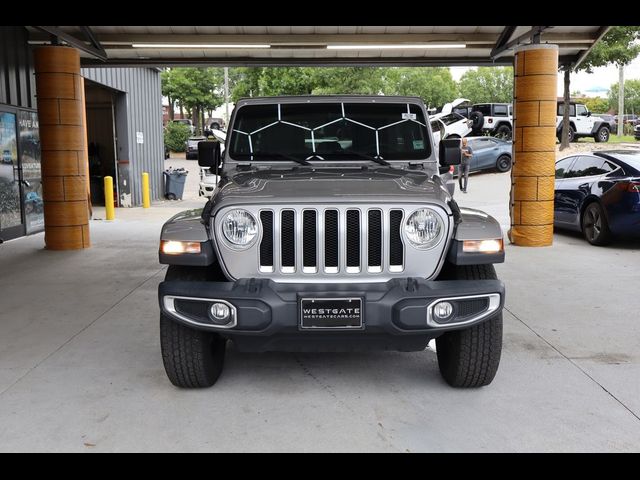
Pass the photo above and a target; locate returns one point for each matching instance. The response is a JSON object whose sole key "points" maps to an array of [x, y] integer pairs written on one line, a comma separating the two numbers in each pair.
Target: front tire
{"points": [[192, 358], [470, 358]]}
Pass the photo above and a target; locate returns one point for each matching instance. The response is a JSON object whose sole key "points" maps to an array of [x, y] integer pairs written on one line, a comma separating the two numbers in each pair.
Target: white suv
{"points": [[495, 119], [582, 123], [452, 125]]}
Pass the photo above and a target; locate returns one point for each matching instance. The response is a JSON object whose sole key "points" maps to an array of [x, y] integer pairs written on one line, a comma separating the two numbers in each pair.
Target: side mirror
{"points": [[588, 114], [450, 152], [209, 154]]}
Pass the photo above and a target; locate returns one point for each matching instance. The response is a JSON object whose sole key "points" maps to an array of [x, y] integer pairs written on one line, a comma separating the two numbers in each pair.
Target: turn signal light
{"points": [[172, 247], [483, 246]]}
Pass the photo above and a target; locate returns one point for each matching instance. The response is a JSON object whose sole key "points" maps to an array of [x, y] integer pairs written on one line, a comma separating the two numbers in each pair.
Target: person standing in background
{"points": [[465, 163]]}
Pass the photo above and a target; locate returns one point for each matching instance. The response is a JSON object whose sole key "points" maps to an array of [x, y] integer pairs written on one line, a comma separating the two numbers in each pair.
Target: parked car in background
{"points": [[636, 131], [187, 122], [494, 119], [628, 118], [598, 194], [217, 124], [490, 153], [582, 123], [454, 125], [610, 120], [192, 147]]}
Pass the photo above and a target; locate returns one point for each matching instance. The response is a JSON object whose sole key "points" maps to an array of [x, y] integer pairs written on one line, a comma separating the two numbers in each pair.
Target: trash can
{"points": [[174, 181]]}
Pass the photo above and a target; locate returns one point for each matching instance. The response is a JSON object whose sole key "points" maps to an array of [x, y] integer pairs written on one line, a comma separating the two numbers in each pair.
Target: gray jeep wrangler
{"points": [[331, 230]]}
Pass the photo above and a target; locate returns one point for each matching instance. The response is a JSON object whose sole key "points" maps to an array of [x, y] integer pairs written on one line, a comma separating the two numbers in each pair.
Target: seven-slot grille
{"points": [[331, 240]]}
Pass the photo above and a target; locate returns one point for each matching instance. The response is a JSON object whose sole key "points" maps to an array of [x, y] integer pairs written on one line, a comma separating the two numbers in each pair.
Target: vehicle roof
{"points": [[337, 98]]}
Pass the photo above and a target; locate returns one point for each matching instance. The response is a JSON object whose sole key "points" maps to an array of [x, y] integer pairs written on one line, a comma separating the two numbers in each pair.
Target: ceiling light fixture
{"points": [[397, 46], [195, 45]]}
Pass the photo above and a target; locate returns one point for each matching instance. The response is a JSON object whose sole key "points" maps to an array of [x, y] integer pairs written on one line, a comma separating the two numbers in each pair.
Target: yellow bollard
{"points": [[146, 198], [108, 198]]}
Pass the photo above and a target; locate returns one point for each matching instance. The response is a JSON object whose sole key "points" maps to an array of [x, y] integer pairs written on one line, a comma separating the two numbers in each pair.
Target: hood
{"points": [[326, 186], [448, 107]]}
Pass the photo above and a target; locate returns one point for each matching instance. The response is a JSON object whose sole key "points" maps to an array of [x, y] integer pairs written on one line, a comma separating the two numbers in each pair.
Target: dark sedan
{"points": [[599, 194]]}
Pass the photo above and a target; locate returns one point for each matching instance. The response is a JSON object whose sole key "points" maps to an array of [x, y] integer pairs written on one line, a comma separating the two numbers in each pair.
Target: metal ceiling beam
{"points": [[582, 55], [73, 41], [88, 33], [528, 35], [309, 62], [504, 36], [295, 39]]}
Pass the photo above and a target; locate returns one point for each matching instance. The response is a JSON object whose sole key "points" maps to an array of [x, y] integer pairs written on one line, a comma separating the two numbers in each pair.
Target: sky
{"points": [[592, 85]]}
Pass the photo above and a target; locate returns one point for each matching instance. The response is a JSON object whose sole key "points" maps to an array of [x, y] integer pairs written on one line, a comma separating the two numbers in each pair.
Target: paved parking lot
{"points": [[80, 365]]}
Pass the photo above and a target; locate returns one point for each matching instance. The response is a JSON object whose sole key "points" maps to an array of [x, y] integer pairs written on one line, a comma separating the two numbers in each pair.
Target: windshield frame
{"points": [[230, 162]]}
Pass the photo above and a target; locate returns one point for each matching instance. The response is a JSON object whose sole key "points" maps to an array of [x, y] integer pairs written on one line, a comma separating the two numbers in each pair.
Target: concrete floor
{"points": [[80, 364]]}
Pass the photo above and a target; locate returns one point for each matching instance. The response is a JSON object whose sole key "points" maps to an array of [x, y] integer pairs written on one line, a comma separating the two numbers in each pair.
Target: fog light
{"points": [[442, 311], [483, 246], [220, 311]]}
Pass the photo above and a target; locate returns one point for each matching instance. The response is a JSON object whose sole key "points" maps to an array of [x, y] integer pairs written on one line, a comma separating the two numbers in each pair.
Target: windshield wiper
{"points": [[301, 161], [377, 160]]}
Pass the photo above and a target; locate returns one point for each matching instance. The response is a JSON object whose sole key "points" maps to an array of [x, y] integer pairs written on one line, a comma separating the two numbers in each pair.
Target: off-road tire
{"points": [[602, 135], [469, 358], [504, 132], [192, 358]]}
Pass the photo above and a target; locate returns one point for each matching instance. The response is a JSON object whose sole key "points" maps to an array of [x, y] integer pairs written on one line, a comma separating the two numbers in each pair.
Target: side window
{"points": [[562, 167], [500, 110], [586, 166], [481, 144], [581, 110], [611, 169], [572, 110]]}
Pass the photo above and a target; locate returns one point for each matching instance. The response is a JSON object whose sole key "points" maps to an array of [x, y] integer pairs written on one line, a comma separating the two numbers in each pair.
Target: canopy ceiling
{"points": [[160, 46]]}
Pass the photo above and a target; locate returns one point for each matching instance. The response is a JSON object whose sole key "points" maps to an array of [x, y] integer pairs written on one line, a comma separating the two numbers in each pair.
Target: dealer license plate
{"points": [[331, 313]]}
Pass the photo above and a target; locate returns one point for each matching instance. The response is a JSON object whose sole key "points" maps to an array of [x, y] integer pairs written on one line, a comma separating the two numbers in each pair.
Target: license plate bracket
{"points": [[331, 313]]}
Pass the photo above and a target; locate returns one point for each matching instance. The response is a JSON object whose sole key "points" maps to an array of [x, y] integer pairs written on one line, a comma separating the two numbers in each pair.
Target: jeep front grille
{"points": [[333, 240], [309, 243]]}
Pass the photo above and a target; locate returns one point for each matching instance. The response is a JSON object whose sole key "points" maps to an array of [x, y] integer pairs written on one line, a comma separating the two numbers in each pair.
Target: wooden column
{"points": [[60, 96], [534, 145]]}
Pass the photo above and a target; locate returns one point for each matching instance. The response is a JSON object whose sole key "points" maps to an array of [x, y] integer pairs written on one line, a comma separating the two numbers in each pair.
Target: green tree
{"points": [[244, 82], [597, 104], [349, 80], [619, 46], [197, 89], [286, 81], [434, 85], [487, 84], [175, 136], [631, 96]]}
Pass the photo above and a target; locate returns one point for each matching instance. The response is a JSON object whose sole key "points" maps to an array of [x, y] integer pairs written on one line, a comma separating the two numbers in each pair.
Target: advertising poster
{"points": [[10, 214], [31, 171]]}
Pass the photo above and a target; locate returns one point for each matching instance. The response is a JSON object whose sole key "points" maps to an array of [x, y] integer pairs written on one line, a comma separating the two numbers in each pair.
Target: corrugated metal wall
{"points": [[143, 114], [17, 81]]}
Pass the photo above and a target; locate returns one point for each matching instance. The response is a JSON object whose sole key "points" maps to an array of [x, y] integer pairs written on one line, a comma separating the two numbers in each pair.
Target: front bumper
{"points": [[397, 314]]}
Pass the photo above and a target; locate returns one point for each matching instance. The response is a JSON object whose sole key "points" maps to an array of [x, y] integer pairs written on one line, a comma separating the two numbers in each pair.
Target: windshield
{"points": [[330, 131]]}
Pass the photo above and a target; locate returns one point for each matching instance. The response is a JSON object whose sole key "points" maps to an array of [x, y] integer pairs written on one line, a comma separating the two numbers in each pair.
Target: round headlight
{"points": [[424, 228], [239, 227]]}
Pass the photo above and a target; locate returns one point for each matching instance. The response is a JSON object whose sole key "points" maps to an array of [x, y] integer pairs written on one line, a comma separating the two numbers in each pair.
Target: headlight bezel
{"points": [[431, 244], [228, 242]]}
